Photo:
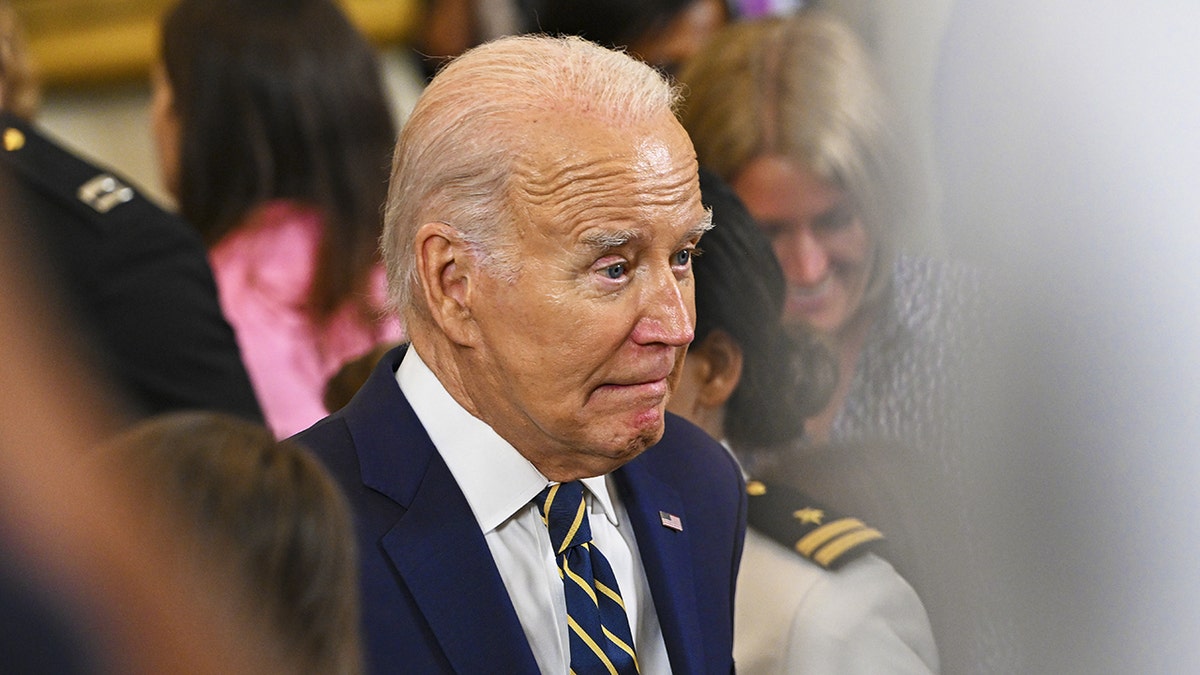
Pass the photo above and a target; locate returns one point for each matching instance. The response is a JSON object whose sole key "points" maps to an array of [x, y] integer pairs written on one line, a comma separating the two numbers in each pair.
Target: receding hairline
{"points": [[456, 150], [559, 73]]}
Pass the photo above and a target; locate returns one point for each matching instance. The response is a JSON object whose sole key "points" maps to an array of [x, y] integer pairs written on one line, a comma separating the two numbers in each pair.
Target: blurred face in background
{"points": [[682, 36], [165, 128], [822, 244]]}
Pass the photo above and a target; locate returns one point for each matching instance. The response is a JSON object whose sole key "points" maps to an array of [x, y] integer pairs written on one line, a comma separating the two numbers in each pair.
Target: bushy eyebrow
{"points": [[610, 239], [705, 224]]}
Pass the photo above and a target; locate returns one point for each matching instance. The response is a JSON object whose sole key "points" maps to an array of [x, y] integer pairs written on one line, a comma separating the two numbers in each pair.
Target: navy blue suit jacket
{"points": [[433, 600]]}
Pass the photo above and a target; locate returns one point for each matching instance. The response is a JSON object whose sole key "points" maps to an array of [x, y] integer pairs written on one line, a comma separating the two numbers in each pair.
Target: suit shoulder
{"points": [[330, 440], [678, 432], [683, 441], [808, 528], [324, 435], [56, 176]]}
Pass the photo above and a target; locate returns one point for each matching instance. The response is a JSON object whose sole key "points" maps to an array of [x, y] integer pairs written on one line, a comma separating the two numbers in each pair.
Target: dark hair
{"points": [[282, 99], [740, 291], [266, 512], [612, 23]]}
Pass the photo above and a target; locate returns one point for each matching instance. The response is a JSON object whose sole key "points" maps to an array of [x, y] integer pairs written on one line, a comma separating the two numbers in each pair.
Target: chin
{"points": [[632, 445], [648, 437]]}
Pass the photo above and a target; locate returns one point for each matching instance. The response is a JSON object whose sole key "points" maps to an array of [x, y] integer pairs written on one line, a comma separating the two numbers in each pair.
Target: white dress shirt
{"points": [[500, 484]]}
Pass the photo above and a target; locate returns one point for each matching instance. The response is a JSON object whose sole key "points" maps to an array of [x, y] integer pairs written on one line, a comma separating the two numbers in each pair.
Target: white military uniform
{"points": [[824, 604]]}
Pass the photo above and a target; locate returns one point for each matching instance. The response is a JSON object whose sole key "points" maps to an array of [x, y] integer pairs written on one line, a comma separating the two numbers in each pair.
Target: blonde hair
{"points": [[454, 162], [804, 87], [19, 89]]}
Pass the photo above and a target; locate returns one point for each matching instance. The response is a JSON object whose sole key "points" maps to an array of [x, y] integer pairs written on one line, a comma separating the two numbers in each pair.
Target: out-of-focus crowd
{"points": [[832, 402]]}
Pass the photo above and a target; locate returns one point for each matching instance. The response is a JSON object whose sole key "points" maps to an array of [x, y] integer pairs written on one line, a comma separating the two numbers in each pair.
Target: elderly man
{"points": [[543, 212]]}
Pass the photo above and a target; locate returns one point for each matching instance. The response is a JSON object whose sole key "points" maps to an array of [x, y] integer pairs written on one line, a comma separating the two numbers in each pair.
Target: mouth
{"points": [[808, 299], [653, 389], [651, 384]]}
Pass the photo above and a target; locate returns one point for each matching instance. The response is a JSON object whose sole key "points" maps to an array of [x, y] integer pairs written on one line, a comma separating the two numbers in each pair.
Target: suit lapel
{"points": [[666, 557], [441, 554], [436, 545]]}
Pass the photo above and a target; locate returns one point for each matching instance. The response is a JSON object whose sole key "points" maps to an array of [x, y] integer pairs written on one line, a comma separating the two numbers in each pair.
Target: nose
{"points": [[803, 257], [668, 311]]}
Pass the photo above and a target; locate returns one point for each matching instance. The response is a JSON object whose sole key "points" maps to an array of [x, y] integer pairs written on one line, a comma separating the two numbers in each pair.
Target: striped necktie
{"points": [[601, 642]]}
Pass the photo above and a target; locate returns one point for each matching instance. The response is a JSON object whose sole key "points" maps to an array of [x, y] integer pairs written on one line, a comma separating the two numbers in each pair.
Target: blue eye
{"points": [[682, 257], [615, 271]]}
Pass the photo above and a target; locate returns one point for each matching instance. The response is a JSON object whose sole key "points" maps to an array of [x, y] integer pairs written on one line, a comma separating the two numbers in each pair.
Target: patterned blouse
{"points": [[910, 377]]}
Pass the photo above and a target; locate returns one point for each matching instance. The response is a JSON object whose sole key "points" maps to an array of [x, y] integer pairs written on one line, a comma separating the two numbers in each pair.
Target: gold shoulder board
{"points": [[810, 529]]}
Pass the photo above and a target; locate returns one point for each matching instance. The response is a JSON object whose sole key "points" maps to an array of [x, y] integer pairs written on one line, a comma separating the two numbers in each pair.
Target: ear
{"points": [[721, 369], [445, 269]]}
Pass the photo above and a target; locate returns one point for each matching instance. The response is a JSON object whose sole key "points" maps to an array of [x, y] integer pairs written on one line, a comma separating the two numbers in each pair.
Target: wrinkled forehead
{"points": [[581, 168]]}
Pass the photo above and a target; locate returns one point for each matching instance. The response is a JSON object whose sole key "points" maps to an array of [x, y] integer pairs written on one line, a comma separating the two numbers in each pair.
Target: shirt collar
{"points": [[495, 478]]}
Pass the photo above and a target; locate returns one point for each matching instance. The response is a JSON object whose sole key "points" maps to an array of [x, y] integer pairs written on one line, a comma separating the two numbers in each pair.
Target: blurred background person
{"points": [[748, 383], [274, 135], [790, 112], [663, 33], [18, 83], [133, 279], [86, 573], [450, 27], [262, 513]]}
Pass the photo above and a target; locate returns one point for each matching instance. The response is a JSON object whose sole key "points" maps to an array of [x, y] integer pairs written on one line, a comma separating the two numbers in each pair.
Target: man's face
{"points": [[579, 355]]}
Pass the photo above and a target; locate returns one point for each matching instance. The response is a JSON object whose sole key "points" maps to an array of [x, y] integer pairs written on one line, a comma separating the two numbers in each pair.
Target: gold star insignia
{"points": [[809, 515], [755, 488]]}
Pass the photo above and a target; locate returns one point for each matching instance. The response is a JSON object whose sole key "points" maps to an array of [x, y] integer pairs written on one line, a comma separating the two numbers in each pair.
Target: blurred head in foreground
{"points": [[265, 514]]}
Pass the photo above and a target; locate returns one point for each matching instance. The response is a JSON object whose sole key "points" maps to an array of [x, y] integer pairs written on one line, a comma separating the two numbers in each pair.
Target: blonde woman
{"points": [[791, 113]]}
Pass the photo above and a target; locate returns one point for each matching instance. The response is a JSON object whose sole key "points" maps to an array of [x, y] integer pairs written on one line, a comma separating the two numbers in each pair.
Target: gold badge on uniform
{"points": [[817, 533], [809, 516], [13, 139]]}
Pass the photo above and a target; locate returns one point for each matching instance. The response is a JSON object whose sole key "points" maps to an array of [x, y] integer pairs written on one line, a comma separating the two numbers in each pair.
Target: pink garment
{"points": [[263, 272]]}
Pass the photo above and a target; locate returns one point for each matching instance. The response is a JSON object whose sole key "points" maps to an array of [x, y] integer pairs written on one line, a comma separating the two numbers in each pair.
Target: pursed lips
{"points": [[651, 379]]}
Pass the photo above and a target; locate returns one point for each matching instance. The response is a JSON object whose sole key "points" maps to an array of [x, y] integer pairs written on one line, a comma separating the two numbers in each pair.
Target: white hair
{"points": [[454, 160]]}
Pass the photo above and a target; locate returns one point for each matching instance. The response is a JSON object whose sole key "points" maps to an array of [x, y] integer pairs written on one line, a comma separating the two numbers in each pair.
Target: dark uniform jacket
{"points": [[132, 277]]}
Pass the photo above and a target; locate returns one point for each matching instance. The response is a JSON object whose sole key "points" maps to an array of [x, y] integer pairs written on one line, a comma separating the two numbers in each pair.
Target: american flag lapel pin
{"points": [[671, 520]]}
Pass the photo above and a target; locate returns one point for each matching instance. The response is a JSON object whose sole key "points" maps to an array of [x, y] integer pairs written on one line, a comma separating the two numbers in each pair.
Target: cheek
{"points": [[166, 141], [559, 339], [850, 246], [780, 245]]}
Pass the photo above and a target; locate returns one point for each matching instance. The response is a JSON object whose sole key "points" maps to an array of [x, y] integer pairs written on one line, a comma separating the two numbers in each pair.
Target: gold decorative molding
{"points": [[81, 42]]}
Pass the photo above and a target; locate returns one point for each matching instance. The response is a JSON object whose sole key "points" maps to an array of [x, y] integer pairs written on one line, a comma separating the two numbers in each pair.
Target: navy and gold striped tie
{"points": [[601, 642]]}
